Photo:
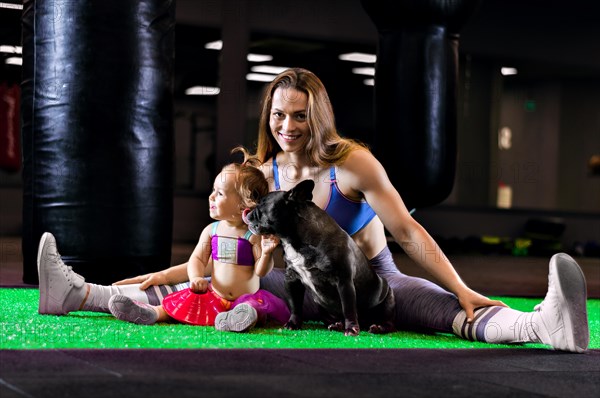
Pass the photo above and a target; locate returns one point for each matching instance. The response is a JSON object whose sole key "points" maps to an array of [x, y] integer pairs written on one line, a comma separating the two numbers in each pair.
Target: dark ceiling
{"points": [[559, 38], [544, 39]]}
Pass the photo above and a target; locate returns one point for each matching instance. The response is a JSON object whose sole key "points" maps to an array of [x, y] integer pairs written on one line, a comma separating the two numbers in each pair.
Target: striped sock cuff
{"points": [[156, 294], [475, 330]]}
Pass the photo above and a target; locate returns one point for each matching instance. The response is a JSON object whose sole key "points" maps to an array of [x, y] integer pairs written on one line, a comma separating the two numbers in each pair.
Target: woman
{"points": [[298, 140]]}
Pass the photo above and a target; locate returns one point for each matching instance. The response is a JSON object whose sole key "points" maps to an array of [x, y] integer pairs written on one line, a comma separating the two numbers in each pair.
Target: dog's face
{"points": [[276, 213]]}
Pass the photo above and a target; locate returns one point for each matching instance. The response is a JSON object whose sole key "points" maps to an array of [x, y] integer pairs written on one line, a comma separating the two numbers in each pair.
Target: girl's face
{"points": [[224, 201], [288, 119]]}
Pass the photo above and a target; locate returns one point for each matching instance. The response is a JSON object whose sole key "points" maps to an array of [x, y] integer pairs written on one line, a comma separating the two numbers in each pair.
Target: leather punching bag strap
{"points": [[415, 94], [97, 127], [10, 136]]}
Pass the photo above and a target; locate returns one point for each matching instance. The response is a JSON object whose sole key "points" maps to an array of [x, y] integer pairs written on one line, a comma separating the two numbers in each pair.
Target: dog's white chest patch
{"points": [[296, 262]]}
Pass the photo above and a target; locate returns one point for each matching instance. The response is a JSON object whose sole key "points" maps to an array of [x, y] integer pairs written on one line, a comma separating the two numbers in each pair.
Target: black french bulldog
{"points": [[321, 256]]}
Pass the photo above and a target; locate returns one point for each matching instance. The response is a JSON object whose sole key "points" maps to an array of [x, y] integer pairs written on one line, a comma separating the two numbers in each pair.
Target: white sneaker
{"points": [[241, 318], [561, 319], [127, 309], [61, 289]]}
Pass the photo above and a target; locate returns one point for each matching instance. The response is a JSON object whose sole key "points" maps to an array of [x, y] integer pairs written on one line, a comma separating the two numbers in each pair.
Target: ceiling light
{"points": [[274, 70], [259, 58], [369, 82], [260, 77], [14, 61], [369, 71], [214, 45], [202, 90], [11, 49], [11, 6], [505, 71], [359, 57]]}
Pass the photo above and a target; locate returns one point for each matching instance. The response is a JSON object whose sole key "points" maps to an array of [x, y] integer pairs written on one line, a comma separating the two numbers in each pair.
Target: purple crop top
{"points": [[351, 215], [231, 250]]}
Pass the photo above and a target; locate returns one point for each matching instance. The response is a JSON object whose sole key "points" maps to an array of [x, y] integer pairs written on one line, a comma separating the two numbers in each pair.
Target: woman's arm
{"points": [[367, 175], [170, 276]]}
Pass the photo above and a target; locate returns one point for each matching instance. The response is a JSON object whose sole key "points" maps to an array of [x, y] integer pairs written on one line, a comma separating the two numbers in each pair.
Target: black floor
{"points": [[299, 373]]}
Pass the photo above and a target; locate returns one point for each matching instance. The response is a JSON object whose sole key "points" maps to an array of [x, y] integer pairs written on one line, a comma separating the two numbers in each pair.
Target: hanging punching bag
{"points": [[415, 94], [97, 134]]}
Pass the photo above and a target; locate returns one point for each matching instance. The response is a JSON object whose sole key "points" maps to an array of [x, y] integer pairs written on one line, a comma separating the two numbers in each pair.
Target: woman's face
{"points": [[288, 119]]}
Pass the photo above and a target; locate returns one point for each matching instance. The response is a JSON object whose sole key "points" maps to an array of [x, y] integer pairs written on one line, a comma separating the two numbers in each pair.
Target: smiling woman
{"points": [[288, 119]]}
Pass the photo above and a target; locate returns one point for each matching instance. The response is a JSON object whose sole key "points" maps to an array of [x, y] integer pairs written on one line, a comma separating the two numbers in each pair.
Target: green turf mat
{"points": [[23, 328]]}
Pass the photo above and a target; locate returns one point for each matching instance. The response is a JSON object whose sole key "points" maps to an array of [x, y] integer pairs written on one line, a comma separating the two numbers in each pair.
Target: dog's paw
{"points": [[294, 323], [336, 327], [353, 331], [381, 329], [292, 326]]}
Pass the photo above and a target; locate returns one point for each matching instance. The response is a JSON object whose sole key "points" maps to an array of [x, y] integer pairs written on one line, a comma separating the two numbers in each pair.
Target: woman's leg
{"points": [[420, 304], [559, 321], [63, 291]]}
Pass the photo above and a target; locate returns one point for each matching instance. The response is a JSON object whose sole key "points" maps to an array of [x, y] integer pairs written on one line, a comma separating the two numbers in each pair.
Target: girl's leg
{"points": [[241, 318], [272, 306], [63, 291], [267, 305], [126, 309]]}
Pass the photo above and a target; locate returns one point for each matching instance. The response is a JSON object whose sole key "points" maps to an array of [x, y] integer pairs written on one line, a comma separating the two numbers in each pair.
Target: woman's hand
{"points": [[268, 243], [198, 285], [146, 280], [470, 300]]}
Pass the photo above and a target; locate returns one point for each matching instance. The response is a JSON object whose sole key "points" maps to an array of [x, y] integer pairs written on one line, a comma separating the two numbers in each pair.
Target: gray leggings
{"points": [[420, 304]]}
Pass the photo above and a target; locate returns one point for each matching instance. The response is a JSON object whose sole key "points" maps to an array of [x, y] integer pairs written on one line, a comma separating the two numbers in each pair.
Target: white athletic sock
{"points": [[499, 325], [97, 296]]}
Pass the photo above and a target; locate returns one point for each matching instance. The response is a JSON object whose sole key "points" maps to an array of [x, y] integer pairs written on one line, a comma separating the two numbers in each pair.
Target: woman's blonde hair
{"points": [[250, 182], [325, 146]]}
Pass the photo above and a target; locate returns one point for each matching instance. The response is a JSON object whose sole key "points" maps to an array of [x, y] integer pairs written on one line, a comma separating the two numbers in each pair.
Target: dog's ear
{"points": [[302, 191]]}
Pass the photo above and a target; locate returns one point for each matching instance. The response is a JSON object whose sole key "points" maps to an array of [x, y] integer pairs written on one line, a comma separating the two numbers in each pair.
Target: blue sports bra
{"points": [[351, 215]]}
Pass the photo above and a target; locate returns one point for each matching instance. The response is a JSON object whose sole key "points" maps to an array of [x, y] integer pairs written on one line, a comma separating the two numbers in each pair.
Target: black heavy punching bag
{"points": [[97, 134], [415, 93]]}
